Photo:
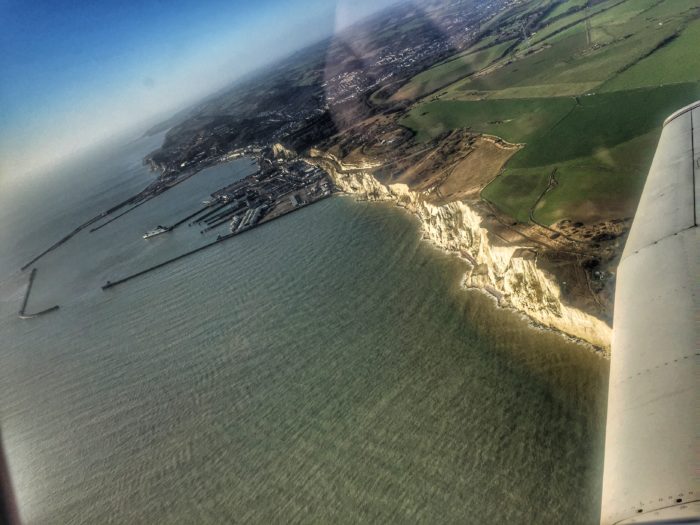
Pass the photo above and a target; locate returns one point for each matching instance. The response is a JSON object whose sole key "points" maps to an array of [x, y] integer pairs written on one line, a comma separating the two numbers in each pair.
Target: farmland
{"points": [[449, 71], [586, 93], [514, 120], [541, 115]]}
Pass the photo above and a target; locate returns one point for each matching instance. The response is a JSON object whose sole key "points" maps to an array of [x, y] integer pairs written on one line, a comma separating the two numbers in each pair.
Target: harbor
{"points": [[241, 335], [221, 238], [283, 183], [279, 187]]}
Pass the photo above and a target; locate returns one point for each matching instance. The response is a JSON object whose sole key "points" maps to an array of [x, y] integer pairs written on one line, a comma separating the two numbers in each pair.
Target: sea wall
{"points": [[509, 273]]}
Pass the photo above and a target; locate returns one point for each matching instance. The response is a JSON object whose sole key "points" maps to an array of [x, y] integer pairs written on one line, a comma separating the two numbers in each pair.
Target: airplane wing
{"points": [[652, 449]]}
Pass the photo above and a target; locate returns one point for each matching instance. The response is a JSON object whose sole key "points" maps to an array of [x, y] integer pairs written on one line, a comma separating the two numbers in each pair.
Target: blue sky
{"points": [[76, 72]]}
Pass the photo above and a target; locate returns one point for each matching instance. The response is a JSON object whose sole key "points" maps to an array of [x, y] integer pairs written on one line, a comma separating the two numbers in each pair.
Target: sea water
{"points": [[327, 367]]}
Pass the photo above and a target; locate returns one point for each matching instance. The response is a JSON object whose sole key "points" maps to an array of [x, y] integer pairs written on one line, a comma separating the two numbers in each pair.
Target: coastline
{"points": [[509, 274]]}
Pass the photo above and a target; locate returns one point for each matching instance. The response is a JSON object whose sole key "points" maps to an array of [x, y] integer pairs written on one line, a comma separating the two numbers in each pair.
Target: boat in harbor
{"points": [[156, 231]]}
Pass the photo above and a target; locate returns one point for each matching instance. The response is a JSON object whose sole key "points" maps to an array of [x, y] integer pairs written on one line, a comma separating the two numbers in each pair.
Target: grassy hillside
{"points": [[587, 91], [449, 71], [515, 120], [678, 61]]}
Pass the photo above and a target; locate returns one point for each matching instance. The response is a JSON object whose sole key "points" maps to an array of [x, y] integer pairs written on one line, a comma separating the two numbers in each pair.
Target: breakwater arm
{"points": [[77, 230], [150, 192], [22, 311], [32, 275], [190, 216], [220, 239], [110, 221], [112, 284]]}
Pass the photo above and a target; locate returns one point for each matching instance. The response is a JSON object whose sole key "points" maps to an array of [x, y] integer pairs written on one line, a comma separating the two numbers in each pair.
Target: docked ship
{"points": [[156, 231], [235, 223]]}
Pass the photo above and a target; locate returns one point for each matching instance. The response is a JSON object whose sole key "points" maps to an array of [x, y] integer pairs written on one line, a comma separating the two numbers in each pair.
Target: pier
{"points": [[110, 221], [277, 189], [189, 217], [220, 239], [112, 284], [150, 192], [22, 312], [222, 218], [78, 230], [212, 212], [234, 207]]}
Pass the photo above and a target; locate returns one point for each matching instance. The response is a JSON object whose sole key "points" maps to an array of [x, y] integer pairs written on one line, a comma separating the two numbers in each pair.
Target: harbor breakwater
{"points": [[506, 271]]}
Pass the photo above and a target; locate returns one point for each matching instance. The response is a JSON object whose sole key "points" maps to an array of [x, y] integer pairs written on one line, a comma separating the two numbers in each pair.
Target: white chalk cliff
{"points": [[508, 272]]}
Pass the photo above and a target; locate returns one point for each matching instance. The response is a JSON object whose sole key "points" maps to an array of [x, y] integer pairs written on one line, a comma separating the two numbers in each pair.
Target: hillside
{"points": [[541, 115]]}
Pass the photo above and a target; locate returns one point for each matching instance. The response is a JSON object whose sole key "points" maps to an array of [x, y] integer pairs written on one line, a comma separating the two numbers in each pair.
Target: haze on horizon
{"points": [[78, 73]]}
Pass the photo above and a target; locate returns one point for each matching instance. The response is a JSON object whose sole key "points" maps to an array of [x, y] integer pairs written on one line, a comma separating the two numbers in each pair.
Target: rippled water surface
{"points": [[326, 367]]}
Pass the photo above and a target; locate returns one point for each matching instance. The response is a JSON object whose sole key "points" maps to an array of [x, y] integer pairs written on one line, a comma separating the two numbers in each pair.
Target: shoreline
{"points": [[511, 280], [603, 352], [494, 295], [508, 274]]}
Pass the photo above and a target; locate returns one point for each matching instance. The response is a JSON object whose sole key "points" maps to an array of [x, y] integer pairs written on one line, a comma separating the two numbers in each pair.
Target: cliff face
{"points": [[510, 273]]}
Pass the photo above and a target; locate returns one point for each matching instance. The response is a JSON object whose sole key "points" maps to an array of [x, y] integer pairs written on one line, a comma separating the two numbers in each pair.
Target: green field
{"points": [[678, 61], [605, 120], [565, 7], [500, 21], [515, 120], [587, 95], [602, 150], [448, 72], [617, 35]]}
